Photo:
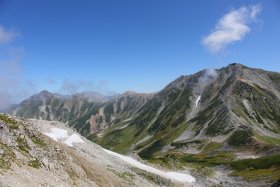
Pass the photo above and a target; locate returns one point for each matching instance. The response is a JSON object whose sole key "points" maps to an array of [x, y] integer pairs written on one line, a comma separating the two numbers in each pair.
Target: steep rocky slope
{"points": [[211, 118], [208, 106], [111, 113], [47, 153]]}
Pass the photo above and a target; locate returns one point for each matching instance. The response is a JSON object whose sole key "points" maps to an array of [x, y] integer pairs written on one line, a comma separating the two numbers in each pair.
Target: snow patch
{"points": [[246, 104], [181, 177], [61, 135], [74, 138], [240, 156], [197, 100], [57, 133]]}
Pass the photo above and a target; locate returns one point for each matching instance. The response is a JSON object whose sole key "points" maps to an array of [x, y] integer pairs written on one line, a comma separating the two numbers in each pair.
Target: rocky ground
{"points": [[48, 153], [31, 158]]}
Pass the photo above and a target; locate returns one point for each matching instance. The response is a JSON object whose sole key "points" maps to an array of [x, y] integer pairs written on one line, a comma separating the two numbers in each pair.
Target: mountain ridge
{"points": [[236, 109], [197, 83]]}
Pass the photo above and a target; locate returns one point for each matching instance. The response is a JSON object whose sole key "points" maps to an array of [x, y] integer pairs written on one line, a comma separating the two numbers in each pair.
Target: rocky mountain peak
{"points": [[45, 94]]}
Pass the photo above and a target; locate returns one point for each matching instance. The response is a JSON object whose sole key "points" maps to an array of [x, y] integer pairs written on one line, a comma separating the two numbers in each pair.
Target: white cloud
{"points": [[231, 27], [77, 86], [50, 81], [6, 36], [12, 86], [72, 87]]}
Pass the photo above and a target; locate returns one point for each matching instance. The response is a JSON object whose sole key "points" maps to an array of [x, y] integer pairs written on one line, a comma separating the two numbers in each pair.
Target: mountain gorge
{"points": [[212, 117]]}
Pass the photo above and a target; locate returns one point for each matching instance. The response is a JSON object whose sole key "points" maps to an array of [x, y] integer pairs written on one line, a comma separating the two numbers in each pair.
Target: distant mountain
{"points": [[88, 112], [228, 113], [103, 115], [50, 106]]}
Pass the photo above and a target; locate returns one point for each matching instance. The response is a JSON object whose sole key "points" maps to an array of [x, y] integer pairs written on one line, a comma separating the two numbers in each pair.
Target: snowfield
{"points": [[58, 134], [74, 138], [169, 175], [61, 135], [197, 100]]}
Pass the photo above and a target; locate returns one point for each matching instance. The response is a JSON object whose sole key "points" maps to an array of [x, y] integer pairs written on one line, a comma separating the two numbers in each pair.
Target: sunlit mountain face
{"points": [[139, 93]]}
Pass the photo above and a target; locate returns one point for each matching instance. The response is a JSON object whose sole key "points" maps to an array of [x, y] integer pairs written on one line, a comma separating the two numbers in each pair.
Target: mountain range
{"points": [[212, 117]]}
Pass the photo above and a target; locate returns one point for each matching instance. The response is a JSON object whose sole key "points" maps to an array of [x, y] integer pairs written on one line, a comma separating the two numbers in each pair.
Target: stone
{"points": [[45, 163]]}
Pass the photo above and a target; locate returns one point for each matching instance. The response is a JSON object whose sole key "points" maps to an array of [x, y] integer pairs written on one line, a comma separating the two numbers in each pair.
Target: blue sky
{"points": [[118, 45]]}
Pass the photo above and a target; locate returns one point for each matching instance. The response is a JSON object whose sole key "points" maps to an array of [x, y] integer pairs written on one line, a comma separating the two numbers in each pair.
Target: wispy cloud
{"points": [[231, 27], [12, 86], [50, 81], [72, 87], [6, 36]]}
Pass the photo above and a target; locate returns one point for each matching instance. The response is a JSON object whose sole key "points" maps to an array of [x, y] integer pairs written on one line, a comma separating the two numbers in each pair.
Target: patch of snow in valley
{"points": [[241, 156], [197, 100], [58, 134], [62, 135], [74, 138], [181, 177], [246, 104]]}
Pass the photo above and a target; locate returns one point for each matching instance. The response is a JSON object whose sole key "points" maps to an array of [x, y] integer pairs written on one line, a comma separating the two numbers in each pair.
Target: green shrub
{"points": [[7, 157], [259, 163], [38, 141], [241, 138], [6, 119], [22, 145], [34, 163]]}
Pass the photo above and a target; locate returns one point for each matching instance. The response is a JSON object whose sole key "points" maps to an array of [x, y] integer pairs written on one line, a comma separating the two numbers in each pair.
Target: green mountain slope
{"points": [[219, 113]]}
